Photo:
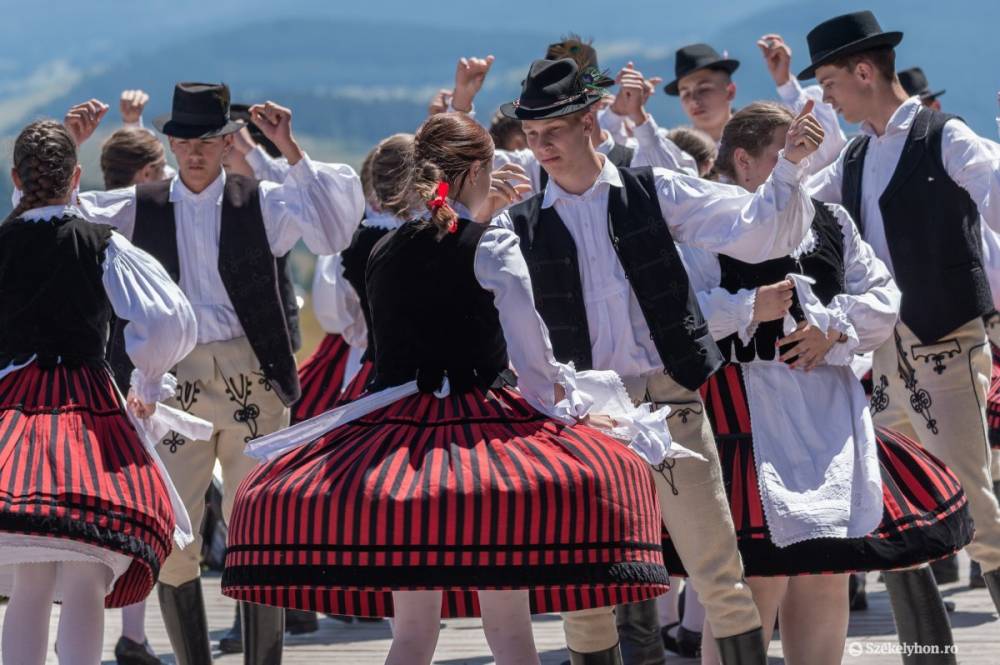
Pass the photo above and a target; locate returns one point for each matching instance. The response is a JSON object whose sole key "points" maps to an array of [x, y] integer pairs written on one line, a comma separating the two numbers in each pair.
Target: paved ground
{"points": [[977, 634]]}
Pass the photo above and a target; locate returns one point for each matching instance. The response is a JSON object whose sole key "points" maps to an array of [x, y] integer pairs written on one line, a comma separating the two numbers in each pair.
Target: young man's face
{"points": [[199, 161], [559, 143], [847, 90], [707, 97]]}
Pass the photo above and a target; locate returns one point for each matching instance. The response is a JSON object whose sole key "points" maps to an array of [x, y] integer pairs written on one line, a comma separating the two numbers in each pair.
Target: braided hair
{"points": [[44, 159]]}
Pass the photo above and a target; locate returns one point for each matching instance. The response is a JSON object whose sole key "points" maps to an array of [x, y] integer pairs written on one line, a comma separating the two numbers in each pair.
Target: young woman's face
{"points": [[754, 171]]}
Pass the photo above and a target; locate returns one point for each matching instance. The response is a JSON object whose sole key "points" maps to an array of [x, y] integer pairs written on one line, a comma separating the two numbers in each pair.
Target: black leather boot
{"points": [[232, 641], [976, 580], [128, 652], [743, 649], [612, 656], [263, 634], [183, 609], [300, 622], [945, 570], [920, 615], [856, 592], [639, 632], [992, 580]]}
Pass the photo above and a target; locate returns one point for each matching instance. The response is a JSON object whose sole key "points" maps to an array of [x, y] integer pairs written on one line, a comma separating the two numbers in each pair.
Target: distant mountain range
{"points": [[355, 72]]}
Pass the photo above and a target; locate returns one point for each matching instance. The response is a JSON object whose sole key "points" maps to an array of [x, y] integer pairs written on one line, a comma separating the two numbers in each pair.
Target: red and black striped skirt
{"points": [[477, 491], [357, 386], [322, 377], [925, 516], [73, 467], [993, 401]]}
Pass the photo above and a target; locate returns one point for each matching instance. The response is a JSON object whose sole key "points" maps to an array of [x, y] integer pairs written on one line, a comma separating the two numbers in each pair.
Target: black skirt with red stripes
{"points": [[73, 467], [357, 386], [321, 378], [993, 401], [925, 513], [476, 491]]}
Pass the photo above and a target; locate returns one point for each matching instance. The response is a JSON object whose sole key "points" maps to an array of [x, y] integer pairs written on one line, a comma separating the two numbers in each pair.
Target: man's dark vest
{"points": [[246, 265], [52, 298], [825, 264], [430, 316], [355, 261], [646, 250], [289, 300], [932, 230], [620, 155]]}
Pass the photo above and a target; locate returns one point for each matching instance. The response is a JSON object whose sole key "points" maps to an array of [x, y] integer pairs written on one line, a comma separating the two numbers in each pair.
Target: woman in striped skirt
{"points": [[815, 491], [445, 491], [85, 512]]}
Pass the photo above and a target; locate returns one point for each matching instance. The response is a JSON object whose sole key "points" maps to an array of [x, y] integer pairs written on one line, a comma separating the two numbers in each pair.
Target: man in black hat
{"points": [[914, 82], [651, 146], [218, 236], [704, 82], [919, 184], [610, 286]]}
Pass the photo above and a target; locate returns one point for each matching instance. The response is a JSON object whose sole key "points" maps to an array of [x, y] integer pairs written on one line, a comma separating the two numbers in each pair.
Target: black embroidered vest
{"points": [[246, 265], [429, 315], [52, 298], [824, 263], [355, 261], [620, 155], [646, 250], [932, 230]]}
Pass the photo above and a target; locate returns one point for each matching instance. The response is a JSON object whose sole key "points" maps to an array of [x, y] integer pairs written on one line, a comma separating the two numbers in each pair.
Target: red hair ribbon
{"points": [[440, 201]]}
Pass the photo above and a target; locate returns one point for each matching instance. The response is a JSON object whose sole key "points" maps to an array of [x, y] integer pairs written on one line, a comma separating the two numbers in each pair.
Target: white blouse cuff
{"points": [[842, 353], [746, 327], [787, 172], [576, 403], [155, 389]]}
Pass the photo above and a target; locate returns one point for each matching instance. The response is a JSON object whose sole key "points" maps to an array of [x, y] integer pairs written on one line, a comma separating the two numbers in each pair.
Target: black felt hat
{"points": [[845, 35], [915, 83], [556, 88], [199, 111], [695, 57]]}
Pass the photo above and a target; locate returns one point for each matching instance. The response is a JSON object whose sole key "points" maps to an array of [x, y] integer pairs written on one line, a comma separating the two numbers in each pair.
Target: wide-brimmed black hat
{"points": [[241, 112], [845, 35], [695, 57], [556, 88], [915, 83], [199, 111]]}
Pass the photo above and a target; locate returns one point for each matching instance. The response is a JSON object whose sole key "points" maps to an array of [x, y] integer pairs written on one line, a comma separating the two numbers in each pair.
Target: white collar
{"points": [[900, 121], [46, 213], [460, 210], [180, 192], [381, 220], [608, 175]]}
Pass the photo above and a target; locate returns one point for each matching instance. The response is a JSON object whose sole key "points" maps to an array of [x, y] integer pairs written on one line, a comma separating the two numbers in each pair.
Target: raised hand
{"points": [[633, 91], [804, 136], [508, 185], [130, 105], [469, 76], [81, 120], [773, 301], [439, 102], [777, 56], [275, 122]]}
